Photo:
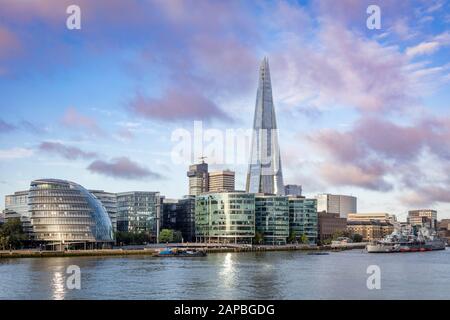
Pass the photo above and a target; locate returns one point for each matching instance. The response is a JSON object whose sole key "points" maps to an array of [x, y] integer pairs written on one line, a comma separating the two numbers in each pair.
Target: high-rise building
{"points": [[335, 203], [272, 218], [16, 206], [264, 171], [198, 178], [225, 217], [293, 190], [220, 181], [139, 211], [303, 218], [109, 201], [423, 218], [64, 213]]}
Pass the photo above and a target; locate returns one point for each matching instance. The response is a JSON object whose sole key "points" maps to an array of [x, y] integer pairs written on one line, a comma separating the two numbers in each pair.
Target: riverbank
{"points": [[152, 251]]}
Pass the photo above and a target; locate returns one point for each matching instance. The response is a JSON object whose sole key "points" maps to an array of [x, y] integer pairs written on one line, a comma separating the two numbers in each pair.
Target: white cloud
{"points": [[15, 153], [423, 48]]}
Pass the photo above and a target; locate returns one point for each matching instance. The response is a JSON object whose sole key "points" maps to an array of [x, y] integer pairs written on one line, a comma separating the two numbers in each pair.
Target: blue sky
{"points": [[362, 112]]}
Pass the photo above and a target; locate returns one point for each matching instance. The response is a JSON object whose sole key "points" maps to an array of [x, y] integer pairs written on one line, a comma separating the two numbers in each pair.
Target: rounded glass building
{"points": [[64, 213]]}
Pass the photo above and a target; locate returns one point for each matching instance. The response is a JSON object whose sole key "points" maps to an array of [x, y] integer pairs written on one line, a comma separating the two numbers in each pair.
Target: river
{"points": [[267, 275]]}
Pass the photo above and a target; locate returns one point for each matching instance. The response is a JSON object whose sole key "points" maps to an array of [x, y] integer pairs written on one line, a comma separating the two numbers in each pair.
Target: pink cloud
{"points": [[177, 104], [122, 168], [67, 152], [73, 119]]}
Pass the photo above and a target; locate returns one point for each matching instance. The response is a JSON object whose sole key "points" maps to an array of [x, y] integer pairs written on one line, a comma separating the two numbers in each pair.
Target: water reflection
{"points": [[59, 284], [227, 273]]}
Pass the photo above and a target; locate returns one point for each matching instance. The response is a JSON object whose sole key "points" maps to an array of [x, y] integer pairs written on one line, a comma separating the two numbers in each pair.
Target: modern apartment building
{"points": [[109, 201], [423, 218], [139, 211], [225, 217], [335, 203], [303, 218], [220, 181], [272, 218]]}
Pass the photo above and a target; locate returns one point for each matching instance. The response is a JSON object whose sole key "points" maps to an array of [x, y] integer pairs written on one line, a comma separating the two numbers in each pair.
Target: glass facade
{"points": [[227, 217], [272, 218], [138, 211], [109, 201], [303, 218], [16, 206], [64, 212], [264, 171]]}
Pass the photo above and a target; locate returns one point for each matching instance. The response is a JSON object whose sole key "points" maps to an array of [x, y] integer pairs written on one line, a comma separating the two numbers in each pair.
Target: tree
{"points": [[304, 239], [357, 237], [258, 238], [292, 237], [339, 234], [166, 235], [11, 234]]}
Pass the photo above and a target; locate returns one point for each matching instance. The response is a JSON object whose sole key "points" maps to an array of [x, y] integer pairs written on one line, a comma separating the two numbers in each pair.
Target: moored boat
{"points": [[175, 252]]}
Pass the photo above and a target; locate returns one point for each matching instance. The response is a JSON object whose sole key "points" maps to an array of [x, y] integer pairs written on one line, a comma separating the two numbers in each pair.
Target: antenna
{"points": [[202, 158]]}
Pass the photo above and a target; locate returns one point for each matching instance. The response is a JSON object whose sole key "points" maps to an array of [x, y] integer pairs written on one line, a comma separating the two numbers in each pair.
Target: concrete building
{"points": [[370, 230], [225, 217], [109, 201], [303, 218], [219, 181], [198, 178], [64, 214], [375, 216], [139, 211], [272, 218], [444, 229], [16, 206], [336, 203], [423, 218], [293, 190], [329, 224], [264, 171]]}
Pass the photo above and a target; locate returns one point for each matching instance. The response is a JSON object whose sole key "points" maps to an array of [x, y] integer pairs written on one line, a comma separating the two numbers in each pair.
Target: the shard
{"points": [[264, 171]]}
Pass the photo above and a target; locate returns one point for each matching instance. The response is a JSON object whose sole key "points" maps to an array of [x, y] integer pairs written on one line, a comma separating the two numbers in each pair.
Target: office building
{"points": [[336, 203], [303, 218], [293, 190], [109, 201], [220, 181], [185, 221], [198, 178], [139, 211], [169, 208], [64, 214], [330, 224], [423, 218], [225, 217], [264, 171], [16, 206], [272, 218]]}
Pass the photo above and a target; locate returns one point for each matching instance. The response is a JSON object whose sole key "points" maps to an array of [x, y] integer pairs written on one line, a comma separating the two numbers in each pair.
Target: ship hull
{"points": [[411, 247]]}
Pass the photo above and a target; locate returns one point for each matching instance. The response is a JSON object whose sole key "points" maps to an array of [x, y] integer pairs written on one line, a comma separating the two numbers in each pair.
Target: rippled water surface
{"points": [[271, 275]]}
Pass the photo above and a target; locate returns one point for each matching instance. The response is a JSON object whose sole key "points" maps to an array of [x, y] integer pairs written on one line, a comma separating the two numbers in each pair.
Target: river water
{"points": [[270, 275]]}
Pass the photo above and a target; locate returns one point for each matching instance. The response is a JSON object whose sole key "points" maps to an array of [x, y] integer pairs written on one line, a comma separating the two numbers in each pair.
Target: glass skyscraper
{"points": [[264, 171]]}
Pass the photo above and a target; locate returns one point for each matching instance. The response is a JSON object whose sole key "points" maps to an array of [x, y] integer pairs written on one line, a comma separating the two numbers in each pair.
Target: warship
{"points": [[424, 239]]}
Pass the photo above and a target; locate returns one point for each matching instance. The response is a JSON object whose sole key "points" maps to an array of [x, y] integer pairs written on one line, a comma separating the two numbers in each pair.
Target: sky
{"points": [[360, 111]]}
